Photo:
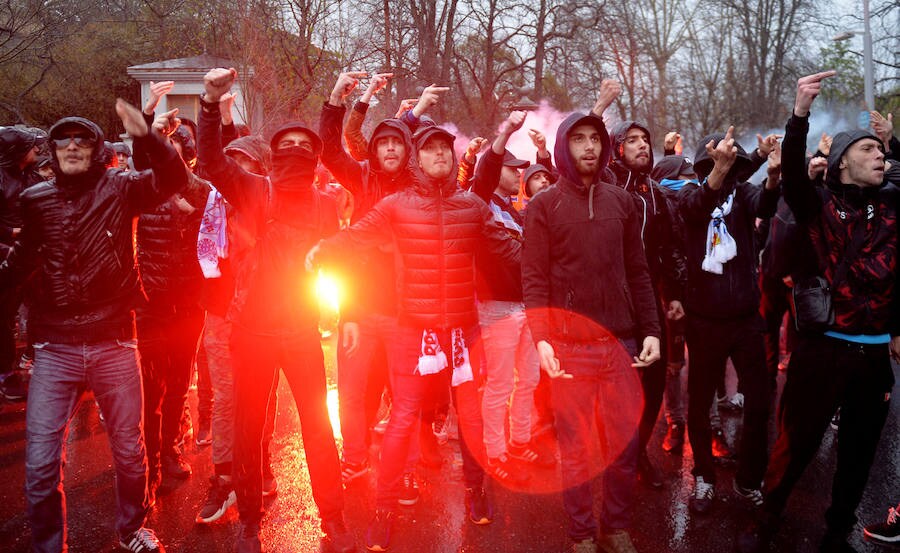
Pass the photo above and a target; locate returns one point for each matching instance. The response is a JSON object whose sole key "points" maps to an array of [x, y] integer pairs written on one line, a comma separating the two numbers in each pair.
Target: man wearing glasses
{"points": [[76, 239]]}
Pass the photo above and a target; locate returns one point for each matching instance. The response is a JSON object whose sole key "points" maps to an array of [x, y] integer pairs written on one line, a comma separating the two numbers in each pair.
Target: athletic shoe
{"points": [[381, 426], [248, 539], [479, 506], [888, 532], [836, 419], [409, 490], [142, 540], [352, 471], [504, 469], [732, 404], [378, 536], [617, 541], [439, 428], [204, 433], [14, 386], [220, 497], [527, 454], [174, 465], [702, 499], [674, 440], [586, 545], [269, 485], [754, 496], [337, 538]]}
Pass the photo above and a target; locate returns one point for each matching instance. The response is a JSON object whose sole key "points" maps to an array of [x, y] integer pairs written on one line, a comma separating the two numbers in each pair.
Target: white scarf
{"points": [[720, 245], [433, 359], [212, 242]]}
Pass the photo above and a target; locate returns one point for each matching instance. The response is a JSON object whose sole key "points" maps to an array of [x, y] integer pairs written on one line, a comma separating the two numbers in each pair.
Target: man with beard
{"points": [[275, 314], [591, 309], [77, 236], [632, 163], [435, 228]]}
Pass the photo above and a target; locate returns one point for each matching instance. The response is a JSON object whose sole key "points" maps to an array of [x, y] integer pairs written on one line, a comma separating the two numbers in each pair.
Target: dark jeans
{"points": [[605, 391], [411, 393], [710, 343], [204, 386], [10, 299], [61, 373], [167, 341], [824, 374], [256, 362], [358, 376], [653, 383]]}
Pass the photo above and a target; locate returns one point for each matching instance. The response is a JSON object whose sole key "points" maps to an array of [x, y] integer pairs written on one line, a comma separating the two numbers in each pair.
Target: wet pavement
{"points": [[529, 520]]}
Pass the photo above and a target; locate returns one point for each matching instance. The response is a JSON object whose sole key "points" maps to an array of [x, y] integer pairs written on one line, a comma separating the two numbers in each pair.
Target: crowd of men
{"points": [[572, 314]]}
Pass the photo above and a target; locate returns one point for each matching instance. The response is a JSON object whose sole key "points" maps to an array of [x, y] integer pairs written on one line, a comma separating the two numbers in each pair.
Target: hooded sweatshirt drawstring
{"points": [[591, 202]]}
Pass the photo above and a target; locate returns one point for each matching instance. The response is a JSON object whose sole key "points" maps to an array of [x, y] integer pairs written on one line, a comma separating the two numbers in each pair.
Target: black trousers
{"points": [[824, 374], [710, 343]]}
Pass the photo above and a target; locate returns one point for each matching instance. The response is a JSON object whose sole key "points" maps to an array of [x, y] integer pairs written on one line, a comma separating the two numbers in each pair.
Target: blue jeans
{"points": [[61, 372], [605, 390], [411, 393]]}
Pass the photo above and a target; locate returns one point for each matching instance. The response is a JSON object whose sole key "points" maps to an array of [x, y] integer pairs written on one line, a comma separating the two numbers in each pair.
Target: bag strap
{"points": [[859, 235]]}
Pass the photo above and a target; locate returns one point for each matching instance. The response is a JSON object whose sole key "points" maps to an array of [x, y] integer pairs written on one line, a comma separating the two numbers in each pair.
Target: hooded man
{"points": [[368, 318], [632, 162], [435, 228], [852, 223], [591, 307], [722, 306], [18, 150], [274, 314], [77, 237]]}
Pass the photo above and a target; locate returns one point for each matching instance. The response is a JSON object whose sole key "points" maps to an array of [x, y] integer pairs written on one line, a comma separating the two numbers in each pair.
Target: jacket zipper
{"points": [[441, 255], [112, 245]]}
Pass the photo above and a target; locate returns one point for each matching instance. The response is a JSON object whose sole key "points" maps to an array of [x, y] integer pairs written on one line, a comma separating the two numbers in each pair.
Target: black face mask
{"points": [[293, 168]]}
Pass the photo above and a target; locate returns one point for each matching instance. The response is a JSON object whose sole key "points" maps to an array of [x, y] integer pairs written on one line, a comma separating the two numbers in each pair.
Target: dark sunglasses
{"points": [[80, 140]]}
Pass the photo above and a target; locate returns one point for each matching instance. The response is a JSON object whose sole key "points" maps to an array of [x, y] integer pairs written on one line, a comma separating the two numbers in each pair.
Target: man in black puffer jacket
{"points": [[435, 228], [632, 162], [275, 314], [591, 309], [77, 236], [722, 305], [169, 322]]}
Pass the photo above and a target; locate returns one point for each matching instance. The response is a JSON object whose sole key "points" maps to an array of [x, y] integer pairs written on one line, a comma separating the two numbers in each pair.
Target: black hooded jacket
{"points": [[659, 232], [14, 146], [274, 294], [734, 293], [77, 235], [868, 300], [435, 228], [584, 273], [369, 184]]}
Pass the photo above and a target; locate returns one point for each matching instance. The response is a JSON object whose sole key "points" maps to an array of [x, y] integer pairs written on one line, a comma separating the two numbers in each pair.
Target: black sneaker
{"points": [[674, 440], [337, 539], [142, 540], [409, 491], [174, 465], [527, 454], [649, 474], [701, 500], [378, 536], [204, 433], [352, 471], [14, 386], [504, 469], [885, 533], [753, 496], [269, 485], [248, 539], [220, 497], [479, 506], [836, 419]]}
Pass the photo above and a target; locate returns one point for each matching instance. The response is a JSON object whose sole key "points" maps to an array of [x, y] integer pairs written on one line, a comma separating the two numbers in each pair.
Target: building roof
{"points": [[195, 63]]}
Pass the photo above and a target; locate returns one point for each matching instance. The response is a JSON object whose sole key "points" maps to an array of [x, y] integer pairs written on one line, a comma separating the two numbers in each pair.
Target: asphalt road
{"points": [[527, 520]]}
